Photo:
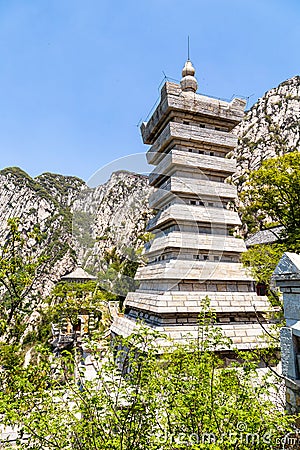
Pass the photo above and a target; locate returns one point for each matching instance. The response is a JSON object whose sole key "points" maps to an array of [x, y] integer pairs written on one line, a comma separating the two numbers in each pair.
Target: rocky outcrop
{"points": [[63, 188], [23, 197], [111, 215], [270, 128], [79, 223]]}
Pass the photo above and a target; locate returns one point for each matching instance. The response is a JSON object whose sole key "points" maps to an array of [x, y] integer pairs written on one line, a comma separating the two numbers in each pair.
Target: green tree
{"points": [[184, 398], [272, 195], [21, 266], [68, 300], [262, 260], [120, 268], [22, 263]]}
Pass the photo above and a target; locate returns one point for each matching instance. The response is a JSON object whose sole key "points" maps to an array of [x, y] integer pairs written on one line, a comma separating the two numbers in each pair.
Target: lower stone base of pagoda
{"points": [[172, 302], [243, 336]]}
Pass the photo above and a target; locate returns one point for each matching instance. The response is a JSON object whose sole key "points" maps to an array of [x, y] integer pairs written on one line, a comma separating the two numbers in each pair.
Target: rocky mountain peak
{"points": [[63, 188], [270, 128], [113, 214]]}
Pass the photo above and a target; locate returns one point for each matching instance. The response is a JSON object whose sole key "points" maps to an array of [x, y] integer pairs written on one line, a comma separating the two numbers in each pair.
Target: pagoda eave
{"points": [[220, 302], [173, 99], [180, 211], [195, 241], [194, 134], [193, 270], [189, 162]]}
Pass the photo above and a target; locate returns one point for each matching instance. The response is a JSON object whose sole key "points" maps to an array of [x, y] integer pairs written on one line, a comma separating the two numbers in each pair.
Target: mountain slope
{"points": [[79, 223], [270, 128], [23, 197], [63, 188], [112, 215]]}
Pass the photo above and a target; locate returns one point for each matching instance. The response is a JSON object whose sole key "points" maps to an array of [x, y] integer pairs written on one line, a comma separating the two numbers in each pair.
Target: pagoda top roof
{"points": [[175, 100], [79, 274]]}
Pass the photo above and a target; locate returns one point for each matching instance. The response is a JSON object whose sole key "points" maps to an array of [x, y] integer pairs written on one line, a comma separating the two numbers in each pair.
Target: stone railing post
{"points": [[287, 278]]}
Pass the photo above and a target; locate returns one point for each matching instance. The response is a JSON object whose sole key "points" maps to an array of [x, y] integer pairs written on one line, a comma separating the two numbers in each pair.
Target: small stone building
{"points": [[79, 275], [67, 334]]}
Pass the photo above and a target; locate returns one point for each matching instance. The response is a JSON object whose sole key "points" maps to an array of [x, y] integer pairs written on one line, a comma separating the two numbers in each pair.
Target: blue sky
{"points": [[77, 77]]}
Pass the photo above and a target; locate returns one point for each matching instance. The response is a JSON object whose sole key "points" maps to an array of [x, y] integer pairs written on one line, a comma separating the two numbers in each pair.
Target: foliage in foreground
{"points": [[273, 195], [262, 259], [20, 268], [185, 398]]}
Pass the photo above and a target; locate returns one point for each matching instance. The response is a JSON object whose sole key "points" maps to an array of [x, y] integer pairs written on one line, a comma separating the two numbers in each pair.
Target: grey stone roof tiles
{"points": [[267, 236]]}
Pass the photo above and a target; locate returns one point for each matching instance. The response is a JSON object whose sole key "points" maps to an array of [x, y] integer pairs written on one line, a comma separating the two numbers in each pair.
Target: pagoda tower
{"points": [[194, 253]]}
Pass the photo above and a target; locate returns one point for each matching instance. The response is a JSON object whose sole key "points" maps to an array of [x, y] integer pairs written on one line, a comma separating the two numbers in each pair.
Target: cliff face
{"points": [[270, 128], [79, 223], [111, 215], [23, 197], [64, 189]]}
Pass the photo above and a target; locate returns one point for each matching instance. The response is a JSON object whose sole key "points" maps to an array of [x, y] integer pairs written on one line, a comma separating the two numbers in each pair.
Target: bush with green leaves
{"points": [[21, 265], [262, 260], [68, 300], [272, 196], [147, 393]]}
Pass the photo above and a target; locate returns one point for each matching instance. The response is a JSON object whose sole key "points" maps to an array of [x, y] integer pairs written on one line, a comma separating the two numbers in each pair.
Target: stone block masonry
{"points": [[287, 278], [194, 253]]}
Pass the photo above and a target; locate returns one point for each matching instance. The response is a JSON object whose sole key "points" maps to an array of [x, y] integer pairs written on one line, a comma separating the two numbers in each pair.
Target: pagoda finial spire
{"points": [[188, 82]]}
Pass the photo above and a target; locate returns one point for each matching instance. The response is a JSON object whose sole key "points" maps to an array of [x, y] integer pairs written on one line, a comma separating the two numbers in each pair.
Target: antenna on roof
{"points": [[188, 47]]}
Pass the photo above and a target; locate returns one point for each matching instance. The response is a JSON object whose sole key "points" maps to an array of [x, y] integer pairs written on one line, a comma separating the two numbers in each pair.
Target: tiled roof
{"points": [[288, 267], [265, 236], [78, 274]]}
